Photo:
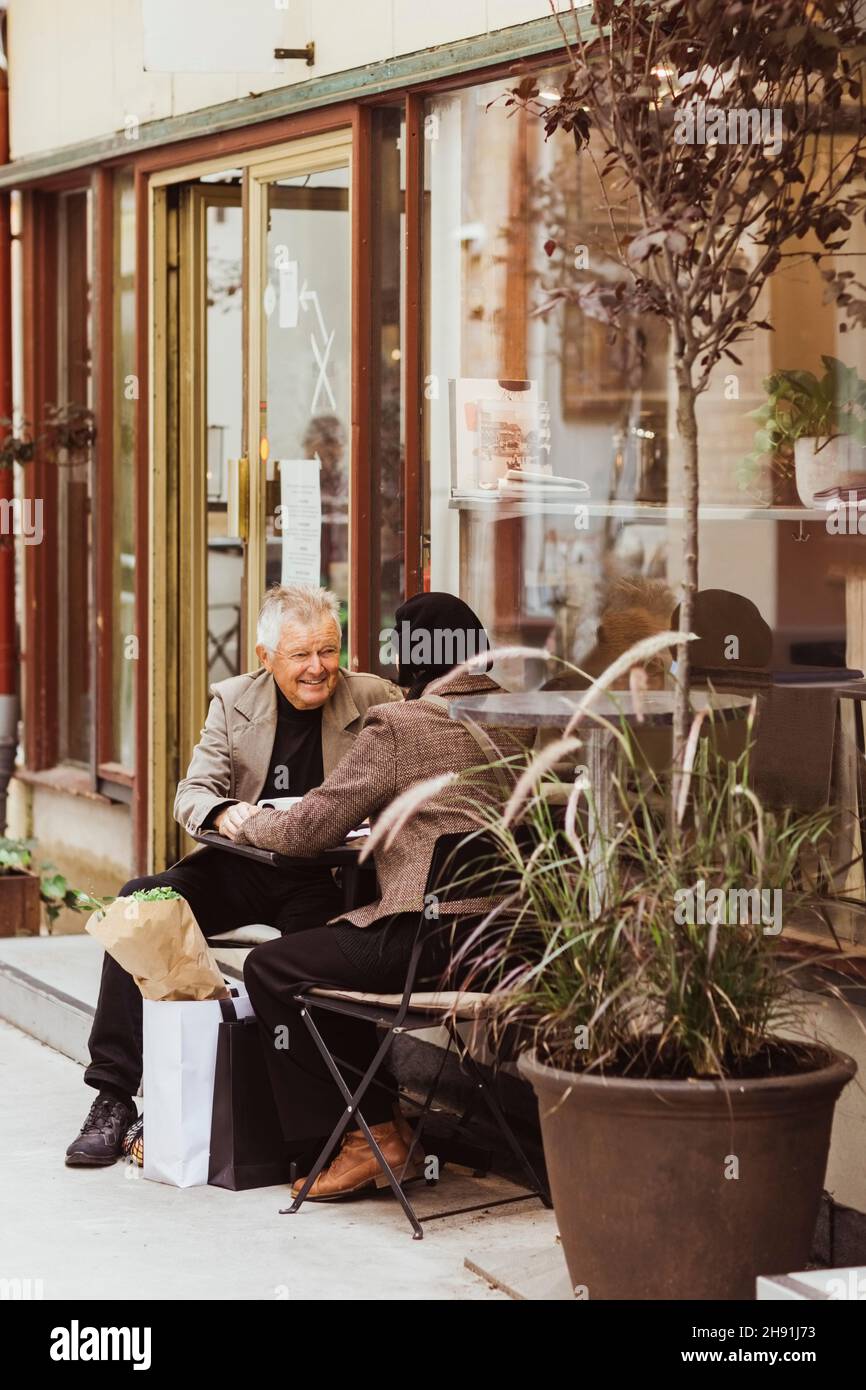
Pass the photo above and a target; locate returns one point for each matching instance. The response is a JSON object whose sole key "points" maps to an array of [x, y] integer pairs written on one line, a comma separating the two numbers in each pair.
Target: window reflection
{"points": [[74, 463], [522, 407], [123, 529], [307, 376]]}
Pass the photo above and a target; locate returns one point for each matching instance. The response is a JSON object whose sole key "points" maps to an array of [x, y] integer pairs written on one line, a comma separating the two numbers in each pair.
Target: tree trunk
{"points": [[687, 427]]}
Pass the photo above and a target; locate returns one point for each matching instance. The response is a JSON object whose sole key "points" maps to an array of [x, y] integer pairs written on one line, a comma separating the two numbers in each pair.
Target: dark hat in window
{"points": [[732, 637]]}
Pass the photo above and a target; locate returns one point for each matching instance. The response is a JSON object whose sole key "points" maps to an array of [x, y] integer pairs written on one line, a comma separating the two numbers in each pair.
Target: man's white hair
{"points": [[306, 604]]}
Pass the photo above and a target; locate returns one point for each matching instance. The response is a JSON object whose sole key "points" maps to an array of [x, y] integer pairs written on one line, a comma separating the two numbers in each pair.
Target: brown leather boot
{"points": [[356, 1167]]}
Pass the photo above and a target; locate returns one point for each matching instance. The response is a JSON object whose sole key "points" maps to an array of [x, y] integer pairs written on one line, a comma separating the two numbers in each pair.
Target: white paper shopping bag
{"points": [[180, 1044]]}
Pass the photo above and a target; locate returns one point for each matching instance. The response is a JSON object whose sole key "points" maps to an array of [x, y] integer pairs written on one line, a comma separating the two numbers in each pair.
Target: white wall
{"points": [[77, 66]]}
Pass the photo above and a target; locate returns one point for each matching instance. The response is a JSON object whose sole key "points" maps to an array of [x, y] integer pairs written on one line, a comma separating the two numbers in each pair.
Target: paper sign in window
{"points": [[301, 521]]}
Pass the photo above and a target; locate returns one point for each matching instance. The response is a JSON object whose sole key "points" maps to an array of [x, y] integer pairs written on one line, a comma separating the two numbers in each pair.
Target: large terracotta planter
{"points": [[641, 1176], [20, 906]]}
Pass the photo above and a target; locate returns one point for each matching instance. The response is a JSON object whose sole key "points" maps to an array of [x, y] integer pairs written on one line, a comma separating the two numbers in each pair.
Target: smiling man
{"points": [[276, 732]]}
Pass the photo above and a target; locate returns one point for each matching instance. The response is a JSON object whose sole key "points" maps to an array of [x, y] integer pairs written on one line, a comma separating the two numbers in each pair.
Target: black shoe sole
{"points": [[90, 1161]]}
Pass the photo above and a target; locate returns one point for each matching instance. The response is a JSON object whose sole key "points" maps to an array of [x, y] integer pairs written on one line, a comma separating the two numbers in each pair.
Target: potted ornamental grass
{"points": [[643, 966]]}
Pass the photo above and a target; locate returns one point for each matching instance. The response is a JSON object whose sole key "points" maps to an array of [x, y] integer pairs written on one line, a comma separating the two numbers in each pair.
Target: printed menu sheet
{"points": [[301, 517]]}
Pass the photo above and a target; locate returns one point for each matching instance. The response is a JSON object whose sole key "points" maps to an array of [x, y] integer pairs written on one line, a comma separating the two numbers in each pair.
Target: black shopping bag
{"points": [[247, 1148]]}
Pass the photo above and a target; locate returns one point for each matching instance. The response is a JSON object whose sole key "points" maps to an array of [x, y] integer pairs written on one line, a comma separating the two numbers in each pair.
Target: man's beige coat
{"points": [[232, 757]]}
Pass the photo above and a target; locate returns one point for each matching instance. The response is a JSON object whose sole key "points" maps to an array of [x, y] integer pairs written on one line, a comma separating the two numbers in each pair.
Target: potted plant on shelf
{"points": [[24, 891], [685, 1126], [818, 423]]}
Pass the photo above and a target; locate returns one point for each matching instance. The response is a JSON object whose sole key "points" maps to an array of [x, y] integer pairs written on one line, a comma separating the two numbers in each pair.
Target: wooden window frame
{"points": [[40, 238], [41, 629]]}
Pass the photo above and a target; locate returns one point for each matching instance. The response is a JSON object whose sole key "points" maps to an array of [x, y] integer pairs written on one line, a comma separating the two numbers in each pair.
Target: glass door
{"points": [[251, 407], [299, 401], [211, 370], [199, 581]]}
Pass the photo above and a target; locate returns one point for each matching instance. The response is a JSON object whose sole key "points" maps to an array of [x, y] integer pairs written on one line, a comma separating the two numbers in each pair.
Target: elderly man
{"points": [[273, 733]]}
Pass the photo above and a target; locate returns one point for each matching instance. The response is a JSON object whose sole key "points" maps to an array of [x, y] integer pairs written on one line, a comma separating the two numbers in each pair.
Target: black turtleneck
{"points": [[297, 749]]}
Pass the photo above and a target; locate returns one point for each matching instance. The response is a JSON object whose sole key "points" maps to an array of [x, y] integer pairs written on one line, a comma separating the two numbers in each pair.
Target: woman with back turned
{"points": [[368, 948]]}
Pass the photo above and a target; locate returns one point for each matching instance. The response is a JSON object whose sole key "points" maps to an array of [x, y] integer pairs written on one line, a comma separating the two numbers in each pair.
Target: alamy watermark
{"points": [[77, 1343], [708, 907], [438, 646], [22, 516], [846, 517], [700, 124]]}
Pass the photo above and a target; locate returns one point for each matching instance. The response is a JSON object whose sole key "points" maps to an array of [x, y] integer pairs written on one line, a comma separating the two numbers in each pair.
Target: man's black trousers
{"points": [[338, 956], [224, 891]]}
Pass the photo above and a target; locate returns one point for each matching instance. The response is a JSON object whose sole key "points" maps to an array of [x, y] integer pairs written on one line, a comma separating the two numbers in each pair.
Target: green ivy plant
{"points": [[16, 856], [802, 405]]}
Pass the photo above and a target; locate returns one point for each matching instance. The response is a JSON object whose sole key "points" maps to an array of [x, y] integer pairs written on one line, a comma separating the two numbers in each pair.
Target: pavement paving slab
{"points": [[110, 1233]]}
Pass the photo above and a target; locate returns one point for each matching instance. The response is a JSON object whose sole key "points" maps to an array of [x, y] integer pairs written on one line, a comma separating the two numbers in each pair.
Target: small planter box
{"points": [[20, 906]]}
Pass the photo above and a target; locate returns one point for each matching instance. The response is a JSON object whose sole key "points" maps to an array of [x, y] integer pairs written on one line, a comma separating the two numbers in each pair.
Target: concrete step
{"points": [[49, 984]]}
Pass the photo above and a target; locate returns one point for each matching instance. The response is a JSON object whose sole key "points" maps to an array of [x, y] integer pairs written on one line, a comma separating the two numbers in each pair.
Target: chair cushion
{"points": [[253, 935], [463, 1004]]}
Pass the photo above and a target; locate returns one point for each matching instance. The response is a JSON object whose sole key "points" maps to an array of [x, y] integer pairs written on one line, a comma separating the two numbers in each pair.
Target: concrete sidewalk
{"points": [[109, 1233]]}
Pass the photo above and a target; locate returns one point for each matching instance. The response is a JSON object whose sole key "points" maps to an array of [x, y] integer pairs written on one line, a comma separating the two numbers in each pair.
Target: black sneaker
{"points": [[100, 1139]]}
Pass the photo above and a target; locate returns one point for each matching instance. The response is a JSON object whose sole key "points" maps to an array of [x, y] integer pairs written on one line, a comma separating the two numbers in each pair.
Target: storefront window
{"points": [[67, 426], [387, 437], [123, 490], [552, 458], [306, 414], [220, 224]]}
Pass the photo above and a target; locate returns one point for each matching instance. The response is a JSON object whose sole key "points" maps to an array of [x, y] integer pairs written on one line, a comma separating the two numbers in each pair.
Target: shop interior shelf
{"points": [[497, 505]]}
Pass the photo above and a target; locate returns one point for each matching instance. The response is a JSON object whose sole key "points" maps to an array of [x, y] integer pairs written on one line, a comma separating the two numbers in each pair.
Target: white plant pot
{"points": [[820, 462]]}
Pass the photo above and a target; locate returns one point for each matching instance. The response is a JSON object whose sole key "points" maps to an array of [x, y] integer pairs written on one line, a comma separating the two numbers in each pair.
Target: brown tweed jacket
{"points": [[399, 745]]}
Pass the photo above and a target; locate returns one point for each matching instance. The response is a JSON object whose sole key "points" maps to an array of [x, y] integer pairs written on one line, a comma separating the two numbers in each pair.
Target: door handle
{"points": [[238, 498]]}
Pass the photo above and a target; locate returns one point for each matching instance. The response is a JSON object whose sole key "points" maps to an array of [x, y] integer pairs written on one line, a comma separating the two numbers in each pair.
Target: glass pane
{"points": [[68, 429], [122, 714], [306, 376], [510, 393], [223, 222], [387, 451]]}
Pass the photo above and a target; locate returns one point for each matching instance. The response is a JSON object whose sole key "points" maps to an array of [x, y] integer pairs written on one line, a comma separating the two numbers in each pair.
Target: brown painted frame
{"points": [[39, 312]]}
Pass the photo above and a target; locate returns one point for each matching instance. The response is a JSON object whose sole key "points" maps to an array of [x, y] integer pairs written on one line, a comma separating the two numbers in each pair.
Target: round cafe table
{"points": [[553, 709]]}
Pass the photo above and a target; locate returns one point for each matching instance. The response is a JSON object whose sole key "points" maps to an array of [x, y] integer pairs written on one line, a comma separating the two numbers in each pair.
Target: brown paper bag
{"points": [[161, 944]]}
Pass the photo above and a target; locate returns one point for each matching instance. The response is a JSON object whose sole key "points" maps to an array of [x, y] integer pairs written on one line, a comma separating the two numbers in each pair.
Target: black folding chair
{"points": [[454, 874]]}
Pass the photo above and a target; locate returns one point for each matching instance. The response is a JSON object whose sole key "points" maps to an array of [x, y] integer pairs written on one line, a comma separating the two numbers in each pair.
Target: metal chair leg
{"points": [[496, 1110], [347, 1095], [431, 1096], [353, 1101], [395, 1185]]}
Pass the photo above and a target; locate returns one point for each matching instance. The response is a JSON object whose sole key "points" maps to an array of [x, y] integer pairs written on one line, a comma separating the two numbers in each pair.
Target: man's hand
{"points": [[229, 821]]}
